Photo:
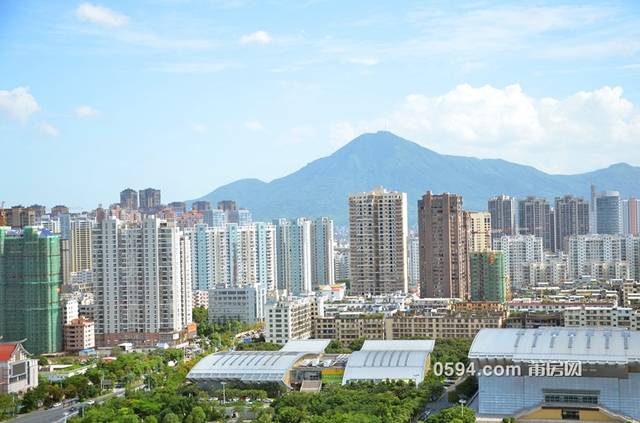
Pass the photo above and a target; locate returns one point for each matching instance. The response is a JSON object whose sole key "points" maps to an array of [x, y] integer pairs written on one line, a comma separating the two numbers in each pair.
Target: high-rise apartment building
{"points": [[572, 218], [294, 250], [178, 207], [414, 262], [20, 217], [488, 279], [322, 266], [58, 210], [30, 281], [443, 228], [140, 284], [233, 255], [342, 263], [589, 254], [480, 231], [631, 216], [378, 236], [503, 215], [150, 199], [213, 217], [128, 199], [609, 213], [201, 206], [535, 218], [80, 229], [518, 252]]}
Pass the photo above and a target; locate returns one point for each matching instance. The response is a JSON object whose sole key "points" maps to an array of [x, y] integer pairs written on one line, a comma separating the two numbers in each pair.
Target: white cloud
{"points": [[583, 131], [199, 128], [364, 61], [85, 111], [101, 15], [258, 37], [48, 129], [254, 125], [18, 103]]}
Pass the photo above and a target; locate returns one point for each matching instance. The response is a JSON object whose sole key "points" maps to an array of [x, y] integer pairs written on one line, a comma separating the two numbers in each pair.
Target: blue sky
{"points": [[189, 95]]}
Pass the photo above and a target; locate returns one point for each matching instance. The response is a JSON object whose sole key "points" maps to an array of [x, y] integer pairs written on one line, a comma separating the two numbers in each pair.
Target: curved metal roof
{"points": [[587, 344], [245, 366], [389, 360]]}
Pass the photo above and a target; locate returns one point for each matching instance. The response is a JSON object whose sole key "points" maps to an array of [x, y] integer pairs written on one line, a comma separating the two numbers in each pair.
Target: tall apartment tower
{"points": [[414, 262], [322, 265], [128, 199], [571, 218], [142, 291], [503, 215], [609, 213], [480, 231], [20, 217], [293, 246], [519, 251], [378, 233], [80, 229], [233, 256], [443, 228], [534, 218], [631, 216], [30, 281], [150, 199]]}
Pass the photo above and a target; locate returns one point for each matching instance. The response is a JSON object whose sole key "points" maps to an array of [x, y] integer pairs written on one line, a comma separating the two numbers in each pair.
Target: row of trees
{"points": [[363, 402]]}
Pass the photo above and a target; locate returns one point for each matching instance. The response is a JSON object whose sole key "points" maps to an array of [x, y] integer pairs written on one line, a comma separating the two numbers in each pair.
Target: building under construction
{"points": [[30, 280]]}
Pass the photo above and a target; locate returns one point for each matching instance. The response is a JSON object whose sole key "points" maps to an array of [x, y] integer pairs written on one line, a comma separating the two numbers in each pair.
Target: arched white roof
{"points": [[245, 366], [586, 344], [389, 360]]}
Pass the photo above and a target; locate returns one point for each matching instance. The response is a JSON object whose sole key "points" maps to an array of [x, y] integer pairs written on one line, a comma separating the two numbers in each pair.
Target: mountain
{"points": [[322, 187]]}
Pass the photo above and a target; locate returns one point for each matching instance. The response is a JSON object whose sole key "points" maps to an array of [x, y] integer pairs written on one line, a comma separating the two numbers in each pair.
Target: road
{"points": [[443, 400], [57, 415]]}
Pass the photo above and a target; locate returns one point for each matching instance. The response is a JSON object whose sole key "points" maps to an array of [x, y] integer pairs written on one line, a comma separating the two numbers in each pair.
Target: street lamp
{"points": [[462, 403]]}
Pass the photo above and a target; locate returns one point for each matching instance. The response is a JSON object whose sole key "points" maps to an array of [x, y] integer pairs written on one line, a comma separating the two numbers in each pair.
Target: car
{"points": [[56, 405], [90, 402]]}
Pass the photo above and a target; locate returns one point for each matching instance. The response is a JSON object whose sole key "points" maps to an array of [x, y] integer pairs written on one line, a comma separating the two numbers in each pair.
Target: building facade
{"points": [[535, 218], [378, 242], [503, 215], [18, 372], [141, 296], [572, 218], [518, 252], [322, 265], [609, 213], [443, 229], [30, 282], [480, 228], [245, 303], [488, 279]]}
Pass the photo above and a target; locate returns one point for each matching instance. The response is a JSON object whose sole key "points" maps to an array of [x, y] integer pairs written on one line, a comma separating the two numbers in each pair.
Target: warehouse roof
{"points": [[254, 366], [588, 345], [389, 360]]}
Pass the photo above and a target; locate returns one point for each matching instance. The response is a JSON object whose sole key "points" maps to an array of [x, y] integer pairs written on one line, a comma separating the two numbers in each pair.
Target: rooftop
{"points": [[588, 345]]}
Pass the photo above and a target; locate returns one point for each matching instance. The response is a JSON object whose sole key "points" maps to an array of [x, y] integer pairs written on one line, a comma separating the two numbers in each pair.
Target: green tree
{"points": [[170, 418], [198, 414], [461, 414]]}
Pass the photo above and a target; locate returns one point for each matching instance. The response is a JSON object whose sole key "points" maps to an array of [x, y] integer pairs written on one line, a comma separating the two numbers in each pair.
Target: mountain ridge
{"points": [[322, 186]]}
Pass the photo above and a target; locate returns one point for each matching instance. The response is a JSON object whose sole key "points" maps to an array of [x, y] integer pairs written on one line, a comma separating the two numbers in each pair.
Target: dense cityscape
{"points": [[319, 211], [82, 290]]}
